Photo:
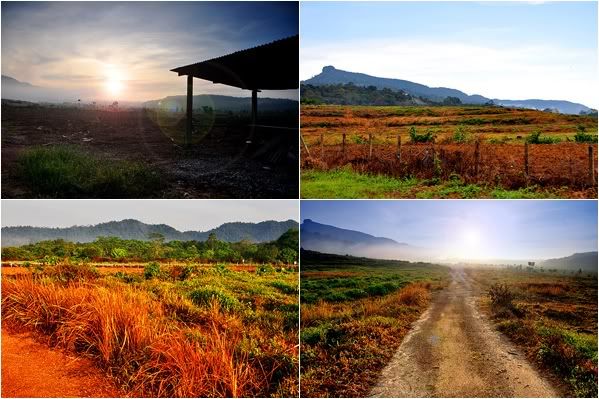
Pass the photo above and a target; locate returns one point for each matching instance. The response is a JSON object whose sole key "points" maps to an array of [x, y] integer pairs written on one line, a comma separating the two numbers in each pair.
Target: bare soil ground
{"points": [[220, 164], [453, 351], [32, 370]]}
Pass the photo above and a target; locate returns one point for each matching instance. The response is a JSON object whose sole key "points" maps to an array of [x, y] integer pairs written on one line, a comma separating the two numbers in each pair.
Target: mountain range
{"points": [[223, 103], [334, 240], [585, 261], [330, 76], [135, 230], [14, 89]]}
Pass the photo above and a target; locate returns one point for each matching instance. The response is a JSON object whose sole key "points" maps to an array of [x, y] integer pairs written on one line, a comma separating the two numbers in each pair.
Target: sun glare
{"points": [[114, 81]]}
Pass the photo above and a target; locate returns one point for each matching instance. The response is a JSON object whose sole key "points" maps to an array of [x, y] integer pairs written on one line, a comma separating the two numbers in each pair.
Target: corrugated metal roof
{"points": [[271, 66]]}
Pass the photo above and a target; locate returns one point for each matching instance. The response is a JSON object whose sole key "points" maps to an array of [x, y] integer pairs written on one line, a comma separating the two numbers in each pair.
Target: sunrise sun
{"points": [[114, 81]]}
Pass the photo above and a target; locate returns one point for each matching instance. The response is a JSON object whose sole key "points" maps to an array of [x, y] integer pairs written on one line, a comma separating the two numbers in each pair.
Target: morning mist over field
{"points": [[124, 51], [452, 231]]}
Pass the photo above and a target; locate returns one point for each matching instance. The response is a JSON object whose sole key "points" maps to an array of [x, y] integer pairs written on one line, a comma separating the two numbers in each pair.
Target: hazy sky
{"points": [[181, 214], [470, 229], [505, 50], [125, 50]]}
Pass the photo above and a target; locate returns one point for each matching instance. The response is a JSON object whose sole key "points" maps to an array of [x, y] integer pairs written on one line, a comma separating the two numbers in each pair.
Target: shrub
{"points": [[428, 136], [205, 296], [535, 138], [501, 296], [66, 272], [461, 135], [151, 270], [582, 137]]}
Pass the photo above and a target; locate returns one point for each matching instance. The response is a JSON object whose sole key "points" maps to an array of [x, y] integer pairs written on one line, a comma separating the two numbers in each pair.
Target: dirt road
{"points": [[31, 370], [453, 351]]}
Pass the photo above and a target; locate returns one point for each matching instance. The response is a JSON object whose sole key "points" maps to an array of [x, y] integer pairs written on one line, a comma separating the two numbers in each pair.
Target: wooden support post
{"points": [[370, 145], [399, 148], [591, 166], [476, 157], [254, 106], [321, 146], [526, 160], [343, 146], [189, 124]]}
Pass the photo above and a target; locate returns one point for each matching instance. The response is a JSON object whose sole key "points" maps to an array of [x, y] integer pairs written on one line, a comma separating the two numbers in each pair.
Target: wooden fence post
{"points": [[526, 159], [476, 157], [591, 166], [305, 145], [321, 146], [370, 144], [399, 148], [343, 146]]}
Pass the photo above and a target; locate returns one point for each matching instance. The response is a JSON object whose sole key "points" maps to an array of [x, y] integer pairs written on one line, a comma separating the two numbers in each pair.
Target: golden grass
{"points": [[129, 335]]}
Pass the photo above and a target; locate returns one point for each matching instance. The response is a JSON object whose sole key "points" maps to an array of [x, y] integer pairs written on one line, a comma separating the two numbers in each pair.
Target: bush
{"points": [[535, 138], [65, 172], [501, 296], [206, 295], [461, 135], [428, 136], [582, 137], [151, 270]]}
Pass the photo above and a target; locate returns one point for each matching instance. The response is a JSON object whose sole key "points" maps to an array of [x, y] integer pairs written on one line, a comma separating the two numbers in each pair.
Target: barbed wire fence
{"points": [[509, 165]]}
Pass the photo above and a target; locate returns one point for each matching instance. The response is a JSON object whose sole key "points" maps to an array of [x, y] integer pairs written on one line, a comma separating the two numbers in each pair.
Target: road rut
{"points": [[453, 351]]}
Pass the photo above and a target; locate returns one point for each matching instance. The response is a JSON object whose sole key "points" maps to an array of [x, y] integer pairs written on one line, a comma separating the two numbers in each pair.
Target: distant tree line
{"points": [[282, 250], [351, 94]]}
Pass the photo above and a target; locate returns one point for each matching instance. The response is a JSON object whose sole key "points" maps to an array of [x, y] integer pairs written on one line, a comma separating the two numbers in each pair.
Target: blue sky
{"points": [[478, 229], [97, 47], [506, 50]]}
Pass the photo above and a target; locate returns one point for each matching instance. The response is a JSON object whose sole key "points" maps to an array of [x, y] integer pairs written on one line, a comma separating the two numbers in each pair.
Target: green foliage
{"points": [[350, 94], [283, 250], [582, 136], [152, 270], [536, 138], [66, 172], [427, 137], [461, 135], [205, 295]]}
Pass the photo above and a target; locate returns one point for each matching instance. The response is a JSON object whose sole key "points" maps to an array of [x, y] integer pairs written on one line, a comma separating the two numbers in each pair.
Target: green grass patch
{"points": [[343, 183], [67, 172]]}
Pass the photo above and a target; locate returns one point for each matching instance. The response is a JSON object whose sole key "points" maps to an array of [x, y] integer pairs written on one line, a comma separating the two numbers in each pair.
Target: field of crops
{"points": [[552, 316], [494, 147], [355, 313], [179, 330]]}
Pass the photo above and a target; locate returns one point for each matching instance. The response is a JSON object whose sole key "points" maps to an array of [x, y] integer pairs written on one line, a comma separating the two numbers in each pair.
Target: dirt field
{"points": [[30, 369], [220, 164], [453, 351]]}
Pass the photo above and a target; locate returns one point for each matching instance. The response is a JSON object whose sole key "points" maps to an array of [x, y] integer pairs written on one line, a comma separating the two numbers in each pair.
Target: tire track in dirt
{"points": [[33, 370], [453, 351]]}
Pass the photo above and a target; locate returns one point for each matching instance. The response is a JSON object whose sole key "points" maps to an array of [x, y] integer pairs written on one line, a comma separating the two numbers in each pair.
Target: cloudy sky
{"points": [[505, 50], [181, 214], [125, 50], [470, 229]]}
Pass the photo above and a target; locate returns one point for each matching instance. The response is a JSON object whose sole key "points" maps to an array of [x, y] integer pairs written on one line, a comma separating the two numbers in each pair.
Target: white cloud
{"points": [[540, 71]]}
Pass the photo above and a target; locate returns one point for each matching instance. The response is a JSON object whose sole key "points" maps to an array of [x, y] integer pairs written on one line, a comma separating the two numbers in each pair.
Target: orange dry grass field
{"points": [[553, 317], [481, 145], [388, 122], [216, 333]]}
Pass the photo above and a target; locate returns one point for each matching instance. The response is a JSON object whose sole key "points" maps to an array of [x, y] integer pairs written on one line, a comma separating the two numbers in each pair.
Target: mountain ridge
{"points": [[264, 231], [331, 75]]}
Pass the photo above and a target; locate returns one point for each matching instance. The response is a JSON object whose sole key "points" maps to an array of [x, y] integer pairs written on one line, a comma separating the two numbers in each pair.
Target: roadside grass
{"points": [[213, 333], [552, 317], [355, 313], [68, 172], [345, 183]]}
